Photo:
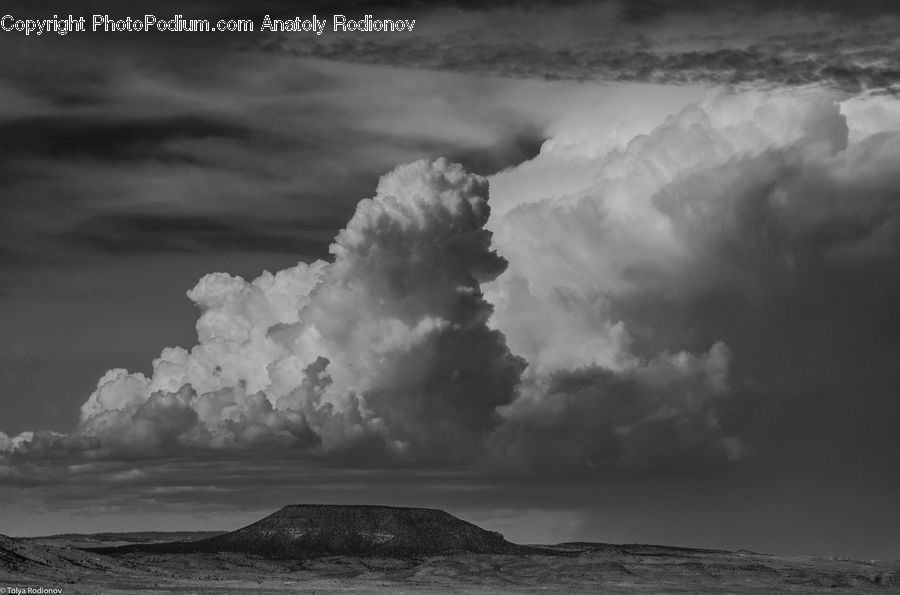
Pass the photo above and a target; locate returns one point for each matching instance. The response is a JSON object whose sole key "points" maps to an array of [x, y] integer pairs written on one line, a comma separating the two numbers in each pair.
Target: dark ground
{"points": [[152, 563]]}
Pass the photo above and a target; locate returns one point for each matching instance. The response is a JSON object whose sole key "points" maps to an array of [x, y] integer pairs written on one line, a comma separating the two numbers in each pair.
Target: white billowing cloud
{"points": [[605, 230], [592, 344], [739, 199], [584, 121], [386, 349], [870, 114]]}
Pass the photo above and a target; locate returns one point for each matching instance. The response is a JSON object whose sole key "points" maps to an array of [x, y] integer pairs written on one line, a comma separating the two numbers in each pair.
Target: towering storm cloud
{"points": [[384, 351], [630, 280], [616, 303]]}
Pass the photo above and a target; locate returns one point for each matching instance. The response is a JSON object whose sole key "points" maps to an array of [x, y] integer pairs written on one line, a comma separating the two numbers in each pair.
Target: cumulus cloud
{"points": [[623, 285], [386, 349], [584, 325]]}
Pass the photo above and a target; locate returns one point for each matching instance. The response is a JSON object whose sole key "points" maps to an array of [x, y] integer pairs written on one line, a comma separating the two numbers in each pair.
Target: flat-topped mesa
{"points": [[308, 530]]}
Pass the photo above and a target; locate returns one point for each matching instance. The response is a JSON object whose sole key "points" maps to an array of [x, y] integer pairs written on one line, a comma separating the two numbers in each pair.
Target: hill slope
{"points": [[306, 531], [19, 558]]}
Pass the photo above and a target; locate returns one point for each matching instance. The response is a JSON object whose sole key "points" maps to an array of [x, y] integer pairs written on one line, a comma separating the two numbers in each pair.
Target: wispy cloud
{"points": [[647, 43]]}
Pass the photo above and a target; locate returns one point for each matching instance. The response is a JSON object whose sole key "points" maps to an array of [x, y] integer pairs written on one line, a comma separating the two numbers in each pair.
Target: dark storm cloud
{"points": [[214, 152], [660, 416], [648, 42], [583, 63], [641, 10], [634, 9], [173, 112]]}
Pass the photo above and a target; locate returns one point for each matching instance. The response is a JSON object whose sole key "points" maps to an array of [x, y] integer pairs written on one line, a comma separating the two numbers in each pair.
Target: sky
{"points": [[622, 272]]}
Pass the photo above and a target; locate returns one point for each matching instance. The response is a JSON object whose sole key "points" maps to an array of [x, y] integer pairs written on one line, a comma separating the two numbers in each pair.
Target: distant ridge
{"points": [[311, 530], [128, 536], [644, 549]]}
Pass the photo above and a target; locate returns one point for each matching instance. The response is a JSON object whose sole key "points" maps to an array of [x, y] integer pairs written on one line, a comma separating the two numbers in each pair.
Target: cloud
{"points": [[649, 9], [596, 323], [754, 43], [164, 155], [627, 285], [385, 349], [658, 414]]}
